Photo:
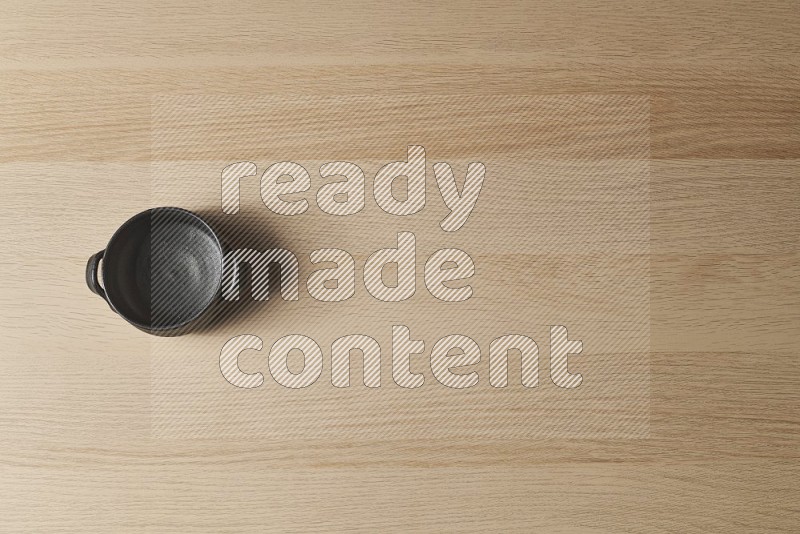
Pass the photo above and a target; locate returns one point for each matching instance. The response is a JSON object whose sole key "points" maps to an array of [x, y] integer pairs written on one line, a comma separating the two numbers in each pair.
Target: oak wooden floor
{"points": [[77, 81]]}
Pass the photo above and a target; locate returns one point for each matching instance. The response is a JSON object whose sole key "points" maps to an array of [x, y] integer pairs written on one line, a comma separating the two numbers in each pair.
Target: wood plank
{"points": [[731, 112]]}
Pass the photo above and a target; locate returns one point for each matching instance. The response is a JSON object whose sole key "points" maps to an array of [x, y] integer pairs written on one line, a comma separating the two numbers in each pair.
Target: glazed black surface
{"points": [[162, 268]]}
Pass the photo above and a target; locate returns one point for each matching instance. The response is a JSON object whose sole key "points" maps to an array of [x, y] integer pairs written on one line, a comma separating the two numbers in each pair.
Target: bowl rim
{"points": [[218, 283]]}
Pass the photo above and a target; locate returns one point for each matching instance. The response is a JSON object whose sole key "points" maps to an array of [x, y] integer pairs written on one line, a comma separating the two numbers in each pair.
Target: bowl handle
{"points": [[91, 275]]}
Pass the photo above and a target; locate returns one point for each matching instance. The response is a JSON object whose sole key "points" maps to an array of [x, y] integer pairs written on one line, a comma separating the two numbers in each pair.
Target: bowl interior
{"points": [[162, 268]]}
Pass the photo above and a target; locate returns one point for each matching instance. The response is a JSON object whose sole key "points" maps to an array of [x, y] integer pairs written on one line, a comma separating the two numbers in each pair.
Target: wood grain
{"points": [[77, 80]]}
